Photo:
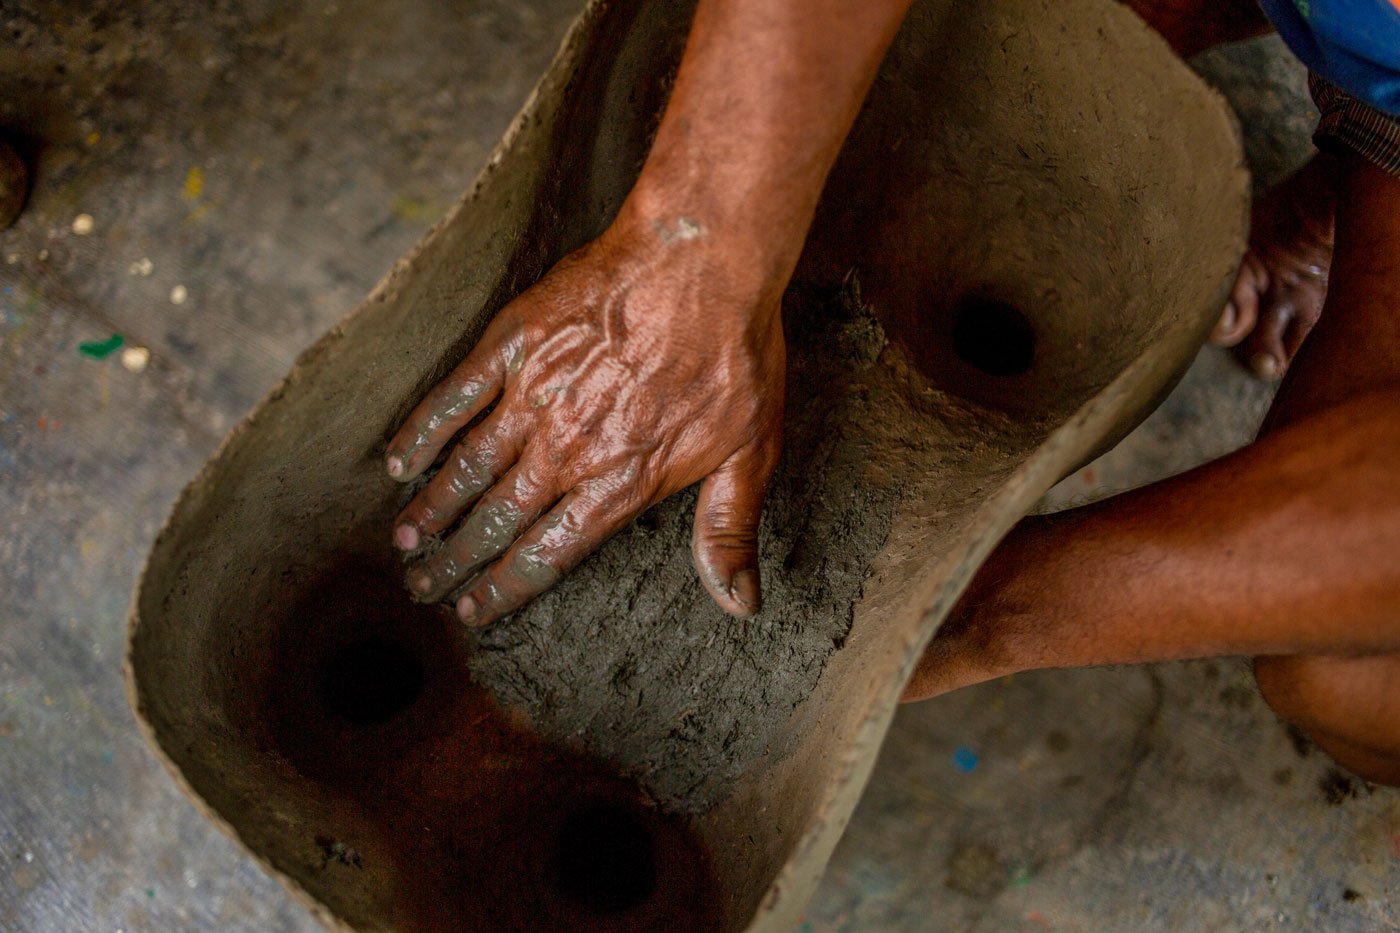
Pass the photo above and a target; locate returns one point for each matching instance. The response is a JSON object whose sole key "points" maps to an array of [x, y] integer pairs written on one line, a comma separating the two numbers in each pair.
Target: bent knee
{"points": [[1349, 706]]}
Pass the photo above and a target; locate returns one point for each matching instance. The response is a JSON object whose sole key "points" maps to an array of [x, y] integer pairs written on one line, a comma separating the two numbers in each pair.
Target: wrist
{"points": [[684, 240], [754, 249]]}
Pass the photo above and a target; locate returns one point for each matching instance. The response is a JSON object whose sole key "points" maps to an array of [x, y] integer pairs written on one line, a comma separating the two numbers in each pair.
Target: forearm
{"points": [[1289, 546], [766, 93], [1310, 562]]}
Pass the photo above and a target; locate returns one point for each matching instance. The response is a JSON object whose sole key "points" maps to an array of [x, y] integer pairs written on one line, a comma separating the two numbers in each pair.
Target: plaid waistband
{"points": [[1348, 122]]}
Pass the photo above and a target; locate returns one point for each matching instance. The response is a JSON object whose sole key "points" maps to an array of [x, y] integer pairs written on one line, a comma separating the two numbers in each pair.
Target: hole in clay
{"points": [[606, 859], [993, 336], [370, 682]]}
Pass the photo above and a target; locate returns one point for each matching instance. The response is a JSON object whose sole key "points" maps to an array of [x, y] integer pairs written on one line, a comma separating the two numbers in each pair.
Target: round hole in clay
{"points": [[370, 682], [993, 336], [606, 859]]}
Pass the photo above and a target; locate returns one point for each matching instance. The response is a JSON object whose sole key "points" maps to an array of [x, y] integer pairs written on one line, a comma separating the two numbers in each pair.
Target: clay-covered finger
{"points": [[499, 518], [725, 537], [449, 407], [482, 457], [556, 544]]}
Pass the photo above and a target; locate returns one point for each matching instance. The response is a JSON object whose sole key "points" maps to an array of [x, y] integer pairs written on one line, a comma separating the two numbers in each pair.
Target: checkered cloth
{"points": [[1354, 124]]}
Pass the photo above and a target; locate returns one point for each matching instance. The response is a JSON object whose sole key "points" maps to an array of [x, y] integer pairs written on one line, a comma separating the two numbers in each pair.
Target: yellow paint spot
{"points": [[194, 184], [200, 211], [94, 138], [409, 208], [48, 700]]}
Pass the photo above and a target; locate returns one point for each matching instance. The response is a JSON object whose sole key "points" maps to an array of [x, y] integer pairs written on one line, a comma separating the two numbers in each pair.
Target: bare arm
{"points": [[653, 358], [1307, 562]]}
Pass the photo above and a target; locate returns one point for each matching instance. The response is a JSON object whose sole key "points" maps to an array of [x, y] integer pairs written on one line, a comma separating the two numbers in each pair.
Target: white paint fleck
{"points": [[687, 229], [135, 358], [178, 294], [142, 267], [83, 224]]}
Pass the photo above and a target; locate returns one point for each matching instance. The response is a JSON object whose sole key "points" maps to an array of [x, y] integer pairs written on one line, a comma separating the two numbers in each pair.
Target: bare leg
{"points": [[1348, 705], [1305, 573]]}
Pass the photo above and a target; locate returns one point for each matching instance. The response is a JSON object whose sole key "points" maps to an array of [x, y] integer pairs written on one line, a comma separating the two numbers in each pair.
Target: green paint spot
{"points": [[150, 892], [101, 349], [1021, 878]]}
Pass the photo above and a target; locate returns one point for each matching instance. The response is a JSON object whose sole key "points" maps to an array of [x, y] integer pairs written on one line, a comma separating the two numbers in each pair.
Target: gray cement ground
{"points": [[250, 172]]}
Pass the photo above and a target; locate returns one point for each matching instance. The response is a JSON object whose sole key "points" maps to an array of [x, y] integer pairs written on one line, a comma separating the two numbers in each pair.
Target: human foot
{"points": [[1282, 283]]}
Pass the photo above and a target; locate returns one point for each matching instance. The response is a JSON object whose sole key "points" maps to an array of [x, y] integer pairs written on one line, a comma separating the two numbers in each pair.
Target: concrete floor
{"points": [[250, 172]]}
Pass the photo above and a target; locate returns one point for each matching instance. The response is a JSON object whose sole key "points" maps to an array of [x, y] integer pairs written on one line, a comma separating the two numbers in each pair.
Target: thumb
{"points": [[727, 516]]}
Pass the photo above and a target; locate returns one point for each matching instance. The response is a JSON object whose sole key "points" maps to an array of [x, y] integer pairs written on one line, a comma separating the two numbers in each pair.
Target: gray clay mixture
{"points": [[642, 669]]}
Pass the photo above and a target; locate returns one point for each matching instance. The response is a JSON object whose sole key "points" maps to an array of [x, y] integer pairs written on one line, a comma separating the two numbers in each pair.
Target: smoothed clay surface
{"points": [[1028, 234]]}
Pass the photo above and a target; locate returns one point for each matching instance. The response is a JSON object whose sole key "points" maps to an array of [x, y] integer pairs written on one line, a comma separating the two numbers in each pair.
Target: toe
{"points": [[1232, 326], [1268, 356], [1242, 310]]}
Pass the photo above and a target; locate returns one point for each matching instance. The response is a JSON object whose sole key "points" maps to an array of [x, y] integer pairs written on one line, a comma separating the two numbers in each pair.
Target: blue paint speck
{"points": [[965, 759], [106, 758]]}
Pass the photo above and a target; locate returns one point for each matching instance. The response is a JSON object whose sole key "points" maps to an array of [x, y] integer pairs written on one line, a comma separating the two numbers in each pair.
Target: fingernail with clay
{"points": [[406, 537], [395, 467], [467, 610], [421, 582], [743, 589], [1265, 365]]}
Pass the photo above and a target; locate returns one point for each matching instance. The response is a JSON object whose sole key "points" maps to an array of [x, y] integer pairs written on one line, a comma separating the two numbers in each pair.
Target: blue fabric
{"points": [[1355, 44]]}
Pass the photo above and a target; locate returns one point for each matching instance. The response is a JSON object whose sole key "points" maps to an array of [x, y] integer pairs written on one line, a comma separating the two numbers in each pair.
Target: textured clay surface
{"points": [[642, 667], [1008, 268]]}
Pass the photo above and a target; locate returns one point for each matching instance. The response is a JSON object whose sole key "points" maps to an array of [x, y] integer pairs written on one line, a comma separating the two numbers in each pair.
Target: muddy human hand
{"points": [[638, 366], [653, 358]]}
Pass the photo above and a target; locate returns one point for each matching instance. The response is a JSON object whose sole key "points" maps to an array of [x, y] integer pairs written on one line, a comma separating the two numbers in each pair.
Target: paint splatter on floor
{"points": [[134, 359], [965, 759], [101, 349], [194, 184]]}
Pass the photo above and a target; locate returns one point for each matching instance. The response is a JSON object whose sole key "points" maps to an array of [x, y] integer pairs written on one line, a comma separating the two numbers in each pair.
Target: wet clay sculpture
{"points": [[1031, 229]]}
